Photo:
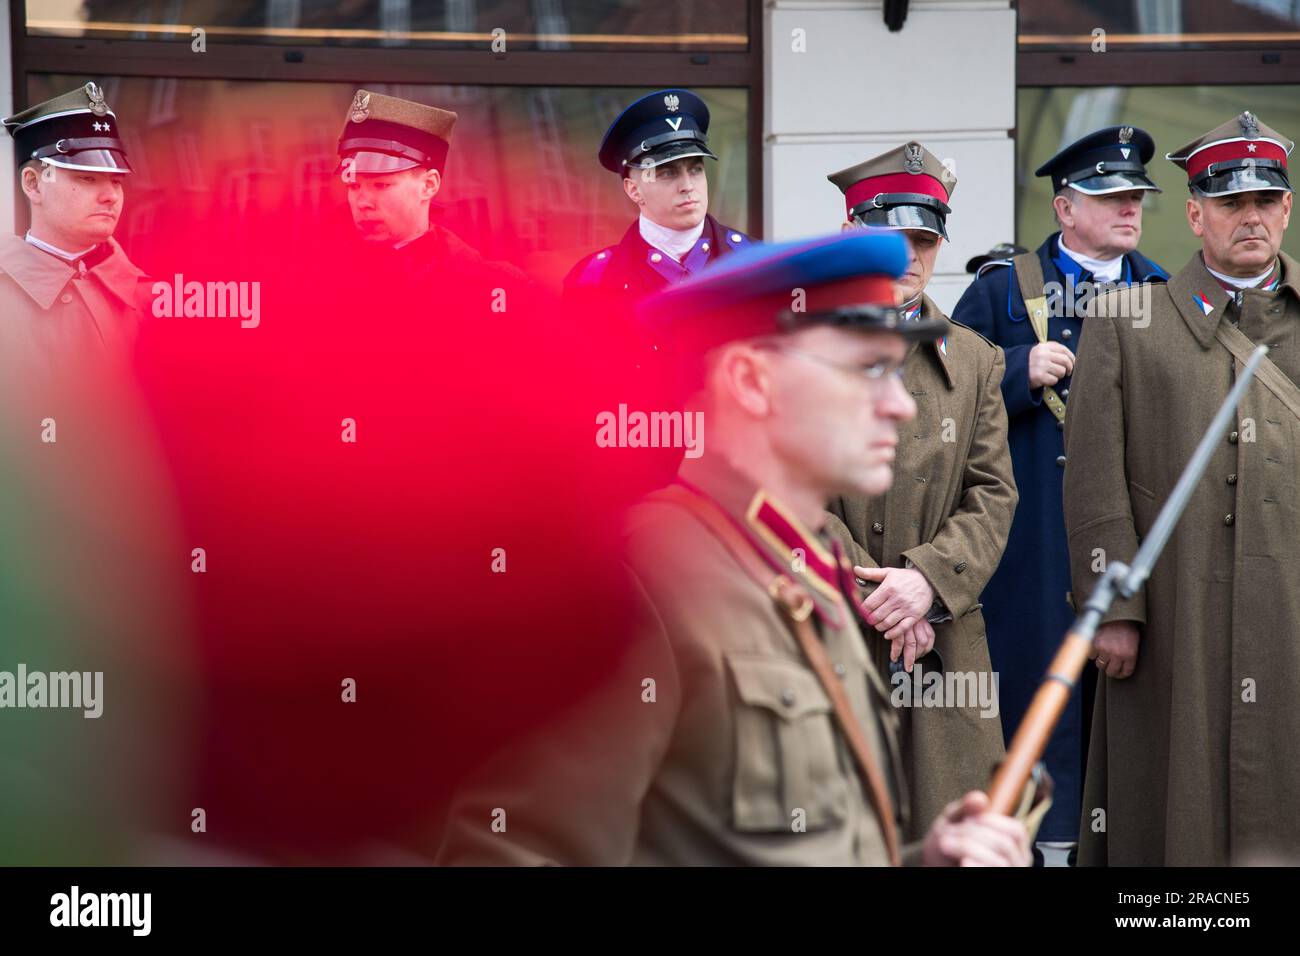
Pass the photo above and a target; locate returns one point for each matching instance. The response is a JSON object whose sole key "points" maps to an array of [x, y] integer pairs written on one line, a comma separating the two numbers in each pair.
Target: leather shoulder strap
{"points": [[1029, 273], [796, 606], [1268, 374]]}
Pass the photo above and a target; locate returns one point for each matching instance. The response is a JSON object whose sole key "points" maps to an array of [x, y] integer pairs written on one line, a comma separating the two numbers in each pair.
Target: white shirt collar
{"points": [[1237, 283], [55, 250], [1105, 270], [674, 242]]}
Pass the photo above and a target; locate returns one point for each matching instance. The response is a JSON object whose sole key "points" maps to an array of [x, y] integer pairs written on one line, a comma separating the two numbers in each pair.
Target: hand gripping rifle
{"points": [[1045, 710]]}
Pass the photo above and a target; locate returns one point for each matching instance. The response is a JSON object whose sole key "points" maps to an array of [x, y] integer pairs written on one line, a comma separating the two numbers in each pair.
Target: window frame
{"points": [[226, 60]]}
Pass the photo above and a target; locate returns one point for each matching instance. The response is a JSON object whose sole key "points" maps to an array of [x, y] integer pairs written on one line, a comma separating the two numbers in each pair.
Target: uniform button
{"points": [[1232, 438], [878, 528], [735, 237], [1060, 461], [1228, 519], [656, 258], [840, 669], [600, 255], [1066, 333], [65, 298], [1232, 479], [1065, 393], [705, 247], [959, 567], [787, 697]]}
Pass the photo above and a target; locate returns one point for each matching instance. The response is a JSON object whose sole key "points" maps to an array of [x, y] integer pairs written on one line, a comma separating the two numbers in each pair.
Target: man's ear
{"points": [[432, 183], [1286, 209], [741, 371], [633, 190], [1064, 210], [1194, 216], [31, 183]]}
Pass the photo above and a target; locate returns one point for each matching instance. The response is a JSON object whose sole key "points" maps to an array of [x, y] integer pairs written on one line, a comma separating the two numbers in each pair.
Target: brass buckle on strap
{"points": [[785, 592]]}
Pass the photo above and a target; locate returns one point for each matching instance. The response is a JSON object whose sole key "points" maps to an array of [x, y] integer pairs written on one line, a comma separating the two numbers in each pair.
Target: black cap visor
{"points": [[667, 153], [903, 211], [1243, 176], [1112, 182], [92, 161], [869, 318]]}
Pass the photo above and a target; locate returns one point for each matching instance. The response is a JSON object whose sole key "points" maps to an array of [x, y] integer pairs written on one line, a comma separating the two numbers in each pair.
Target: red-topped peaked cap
{"points": [[905, 188], [1243, 155]]}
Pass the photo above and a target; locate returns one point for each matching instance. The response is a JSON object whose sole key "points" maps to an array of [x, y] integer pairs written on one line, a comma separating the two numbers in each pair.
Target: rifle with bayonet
{"points": [[1012, 775]]}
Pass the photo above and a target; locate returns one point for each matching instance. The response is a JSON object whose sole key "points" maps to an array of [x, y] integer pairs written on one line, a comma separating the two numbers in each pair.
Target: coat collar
{"points": [[43, 276], [1200, 299], [938, 349], [774, 532]]}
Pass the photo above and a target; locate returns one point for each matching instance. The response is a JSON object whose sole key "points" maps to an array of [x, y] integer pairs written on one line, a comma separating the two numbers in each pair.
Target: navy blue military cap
{"points": [[845, 280], [1002, 252], [1111, 160], [658, 128]]}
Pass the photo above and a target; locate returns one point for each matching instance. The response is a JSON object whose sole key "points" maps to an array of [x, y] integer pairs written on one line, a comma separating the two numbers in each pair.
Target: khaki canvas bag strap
{"points": [[796, 605], [1029, 273], [1268, 374]]}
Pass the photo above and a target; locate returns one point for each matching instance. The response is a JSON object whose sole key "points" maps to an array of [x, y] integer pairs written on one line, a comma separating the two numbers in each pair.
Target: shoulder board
{"points": [[735, 238], [590, 270]]}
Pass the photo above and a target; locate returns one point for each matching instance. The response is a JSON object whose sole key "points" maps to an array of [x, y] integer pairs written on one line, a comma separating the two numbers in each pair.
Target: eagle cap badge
{"points": [[96, 97], [912, 161], [1126, 135], [361, 107], [1249, 125], [672, 102]]}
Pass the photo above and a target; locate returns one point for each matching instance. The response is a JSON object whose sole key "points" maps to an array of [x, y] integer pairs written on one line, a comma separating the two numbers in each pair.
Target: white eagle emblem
{"points": [[672, 102], [360, 107]]}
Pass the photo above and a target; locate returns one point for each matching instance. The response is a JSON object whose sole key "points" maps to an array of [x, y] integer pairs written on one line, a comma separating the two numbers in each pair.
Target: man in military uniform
{"points": [[393, 160], [70, 299], [657, 147], [1193, 758], [931, 542], [1099, 181], [747, 724]]}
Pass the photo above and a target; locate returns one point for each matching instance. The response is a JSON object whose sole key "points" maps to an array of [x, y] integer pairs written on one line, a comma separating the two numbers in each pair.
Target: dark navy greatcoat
{"points": [[1025, 606], [636, 268]]}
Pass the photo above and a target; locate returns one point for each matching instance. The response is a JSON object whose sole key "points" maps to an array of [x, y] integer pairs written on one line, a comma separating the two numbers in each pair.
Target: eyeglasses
{"points": [[877, 372]]}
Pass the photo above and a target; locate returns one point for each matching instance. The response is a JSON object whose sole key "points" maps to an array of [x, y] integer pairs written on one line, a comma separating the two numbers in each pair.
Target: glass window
{"points": [[1052, 118], [522, 181], [1176, 24], [718, 25]]}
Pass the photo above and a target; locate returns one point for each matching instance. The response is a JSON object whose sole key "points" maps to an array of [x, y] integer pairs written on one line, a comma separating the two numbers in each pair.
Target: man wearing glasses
{"points": [[928, 546], [746, 723]]}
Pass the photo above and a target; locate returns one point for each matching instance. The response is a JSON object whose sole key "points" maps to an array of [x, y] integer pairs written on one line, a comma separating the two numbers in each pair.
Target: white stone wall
{"points": [[947, 80]]}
